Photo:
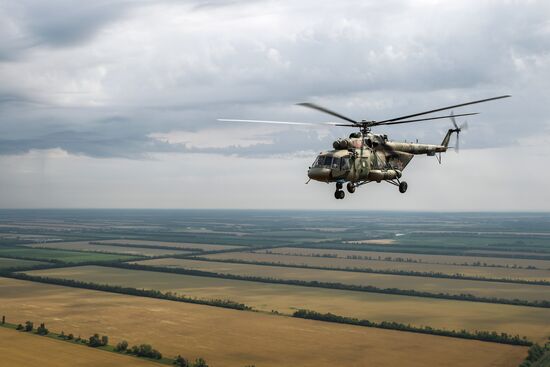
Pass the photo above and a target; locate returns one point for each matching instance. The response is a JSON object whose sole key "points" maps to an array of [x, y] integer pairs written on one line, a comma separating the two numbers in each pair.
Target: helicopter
{"points": [[366, 157]]}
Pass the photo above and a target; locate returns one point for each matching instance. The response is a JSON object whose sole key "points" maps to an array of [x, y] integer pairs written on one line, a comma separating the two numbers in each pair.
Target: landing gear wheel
{"points": [[339, 186], [339, 194], [350, 187], [403, 187]]}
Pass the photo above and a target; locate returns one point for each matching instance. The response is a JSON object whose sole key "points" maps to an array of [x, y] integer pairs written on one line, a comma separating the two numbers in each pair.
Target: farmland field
{"points": [[182, 245], [23, 348], [434, 285], [528, 321], [490, 245], [6, 263], [440, 259], [86, 246], [343, 263], [60, 255], [234, 338]]}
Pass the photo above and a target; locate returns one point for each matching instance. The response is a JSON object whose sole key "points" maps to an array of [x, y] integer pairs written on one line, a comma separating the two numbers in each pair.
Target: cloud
{"points": [[109, 79]]}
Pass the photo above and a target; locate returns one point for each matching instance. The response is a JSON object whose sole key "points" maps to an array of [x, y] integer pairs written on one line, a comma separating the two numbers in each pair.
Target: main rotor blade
{"points": [[280, 122], [325, 110], [425, 119], [445, 108]]}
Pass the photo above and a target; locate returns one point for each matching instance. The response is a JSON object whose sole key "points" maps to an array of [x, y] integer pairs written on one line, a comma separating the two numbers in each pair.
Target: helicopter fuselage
{"points": [[372, 158]]}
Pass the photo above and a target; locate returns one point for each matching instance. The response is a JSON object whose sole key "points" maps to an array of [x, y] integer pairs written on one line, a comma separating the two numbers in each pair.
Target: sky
{"points": [[114, 104]]}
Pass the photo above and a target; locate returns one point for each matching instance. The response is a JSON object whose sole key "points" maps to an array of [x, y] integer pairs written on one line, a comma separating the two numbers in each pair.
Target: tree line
{"points": [[425, 250], [151, 293], [404, 260], [492, 336], [537, 356], [426, 274], [97, 341]]}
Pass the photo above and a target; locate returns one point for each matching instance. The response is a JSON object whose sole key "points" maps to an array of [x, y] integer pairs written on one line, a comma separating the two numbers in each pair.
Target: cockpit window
{"points": [[318, 161], [328, 162]]}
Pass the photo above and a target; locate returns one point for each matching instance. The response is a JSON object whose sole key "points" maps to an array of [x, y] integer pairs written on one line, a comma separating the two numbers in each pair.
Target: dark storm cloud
{"points": [[62, 22], [89, 144], [182, 67]]}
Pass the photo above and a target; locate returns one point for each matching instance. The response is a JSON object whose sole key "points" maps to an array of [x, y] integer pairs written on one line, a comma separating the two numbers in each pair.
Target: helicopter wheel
{"points": [[403, 187], [339, 194], [350, 187], [339, 186]]}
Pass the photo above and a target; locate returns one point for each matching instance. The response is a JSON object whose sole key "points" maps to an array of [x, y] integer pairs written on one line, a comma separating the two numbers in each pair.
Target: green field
{"points": [[176, 245], [86, 246], [459, 238], [433, 285], [60, 255], [528, 321], [6, 263], [345, 263], [426, 258]]}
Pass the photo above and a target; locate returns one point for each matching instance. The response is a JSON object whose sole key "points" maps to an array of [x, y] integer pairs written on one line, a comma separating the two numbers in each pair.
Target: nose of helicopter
{"points": [[319, 174]]}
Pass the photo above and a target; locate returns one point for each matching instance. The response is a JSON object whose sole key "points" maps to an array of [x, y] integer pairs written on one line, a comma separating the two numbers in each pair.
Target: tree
{"points": [[3, 319], [145, 350], [199, 362], [181, 362], [535, 353], [29, 326], [104, 340], [95, 341], [42, 330], [70, 337], [122, 346], [19, 327]]}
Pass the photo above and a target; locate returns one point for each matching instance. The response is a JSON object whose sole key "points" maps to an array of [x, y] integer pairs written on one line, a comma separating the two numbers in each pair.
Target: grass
{"points": [[86, 246], [60, 255], [7, 263], [342, 263], [27, 349], [235, 338], [528, 321], [434, 285], [441, 259]]}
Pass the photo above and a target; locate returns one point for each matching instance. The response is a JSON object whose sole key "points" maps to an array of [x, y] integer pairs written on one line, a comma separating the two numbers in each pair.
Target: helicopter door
{"points": [[340, 167], [335, 168]]}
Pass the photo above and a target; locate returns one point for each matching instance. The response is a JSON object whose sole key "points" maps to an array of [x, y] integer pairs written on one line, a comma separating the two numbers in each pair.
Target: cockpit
{"points": [[334, 163], [328, 167]]}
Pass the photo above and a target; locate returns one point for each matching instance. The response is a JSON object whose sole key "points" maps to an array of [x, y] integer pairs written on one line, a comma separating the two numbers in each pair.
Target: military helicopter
{"points": [[365, 157]]}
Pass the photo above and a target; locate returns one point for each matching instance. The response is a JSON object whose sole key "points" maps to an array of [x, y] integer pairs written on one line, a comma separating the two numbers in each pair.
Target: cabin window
{"points": [[336, 163], [345, 164], [328, 161]]}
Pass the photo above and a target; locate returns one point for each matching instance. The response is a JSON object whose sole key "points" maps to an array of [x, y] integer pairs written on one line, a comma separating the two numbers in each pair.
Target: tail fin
{"points": [[447, 138]]}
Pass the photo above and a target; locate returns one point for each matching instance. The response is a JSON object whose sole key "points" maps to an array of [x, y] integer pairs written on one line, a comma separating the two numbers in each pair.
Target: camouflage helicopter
{"points": [[365, 157]]}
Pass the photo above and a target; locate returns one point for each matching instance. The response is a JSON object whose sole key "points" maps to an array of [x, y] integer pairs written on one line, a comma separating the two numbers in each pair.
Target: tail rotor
{"points": [[457, 130]]}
